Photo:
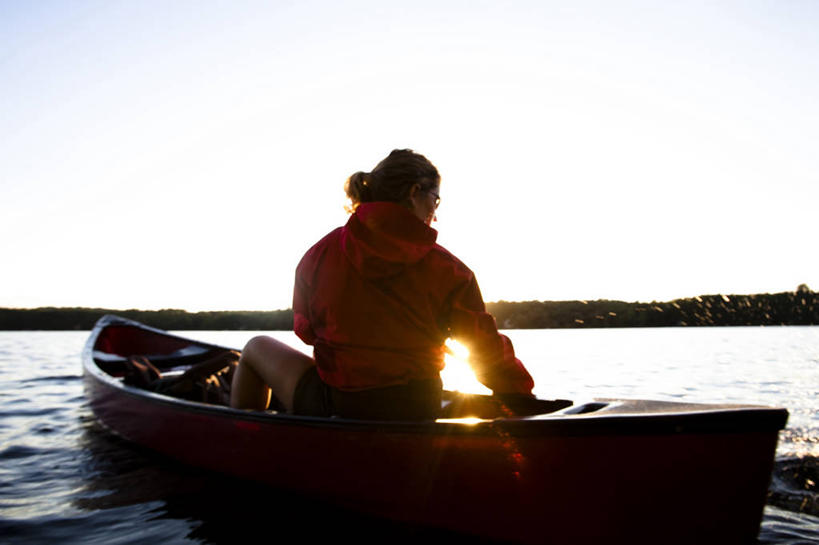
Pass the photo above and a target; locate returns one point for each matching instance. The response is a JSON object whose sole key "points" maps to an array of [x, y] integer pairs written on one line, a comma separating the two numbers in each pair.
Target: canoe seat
{"points": [[116, 364]]}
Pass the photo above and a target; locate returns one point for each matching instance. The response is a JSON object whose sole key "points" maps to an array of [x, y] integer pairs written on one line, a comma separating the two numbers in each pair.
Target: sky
{"points": [[186, 154]]}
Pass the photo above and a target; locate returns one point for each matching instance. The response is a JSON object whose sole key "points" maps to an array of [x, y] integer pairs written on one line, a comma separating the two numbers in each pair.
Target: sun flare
{"points": [[457, 374]]}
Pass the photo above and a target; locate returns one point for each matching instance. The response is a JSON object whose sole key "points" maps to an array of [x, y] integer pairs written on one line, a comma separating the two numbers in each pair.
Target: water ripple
{"points": [[60, 379], [40, 411], [782, 527], [15, 452], [114, 526]]}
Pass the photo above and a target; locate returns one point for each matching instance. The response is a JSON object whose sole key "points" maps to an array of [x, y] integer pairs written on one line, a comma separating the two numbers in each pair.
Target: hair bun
{"points": [[358, 188]]}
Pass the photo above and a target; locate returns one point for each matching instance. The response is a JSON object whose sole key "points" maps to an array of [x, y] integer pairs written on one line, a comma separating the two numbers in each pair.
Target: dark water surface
{"points": [[65, 479]]}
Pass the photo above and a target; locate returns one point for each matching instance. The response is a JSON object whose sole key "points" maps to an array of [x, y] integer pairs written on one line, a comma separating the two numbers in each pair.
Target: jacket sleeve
{"points": [[301, 321], [491, 354]]}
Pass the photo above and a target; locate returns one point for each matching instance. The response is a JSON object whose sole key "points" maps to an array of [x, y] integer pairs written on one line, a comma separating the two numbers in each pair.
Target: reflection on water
{"points": [[63, 478], [782, 527], [794, 485]]}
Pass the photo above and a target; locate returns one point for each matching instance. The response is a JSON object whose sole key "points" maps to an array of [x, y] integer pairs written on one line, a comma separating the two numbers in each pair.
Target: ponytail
{"points": [[358, 189]]}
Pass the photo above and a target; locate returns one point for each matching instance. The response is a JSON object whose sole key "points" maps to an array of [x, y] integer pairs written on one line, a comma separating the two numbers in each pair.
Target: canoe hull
{"points": [[541, 480]]}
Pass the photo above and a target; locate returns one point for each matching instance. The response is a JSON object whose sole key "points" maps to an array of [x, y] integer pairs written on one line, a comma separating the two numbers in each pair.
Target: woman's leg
{"points": [[267, 365]]}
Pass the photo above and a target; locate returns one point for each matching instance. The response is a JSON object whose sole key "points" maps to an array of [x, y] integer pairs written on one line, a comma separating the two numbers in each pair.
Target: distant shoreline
{"points": [[800, 307]]}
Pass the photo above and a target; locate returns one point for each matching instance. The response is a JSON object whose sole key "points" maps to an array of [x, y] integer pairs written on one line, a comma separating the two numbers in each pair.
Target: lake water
{"points": [[64, 478]]}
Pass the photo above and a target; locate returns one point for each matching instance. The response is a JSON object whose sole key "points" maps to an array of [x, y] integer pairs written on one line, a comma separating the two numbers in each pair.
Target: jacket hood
{"points": [[382, 238]]}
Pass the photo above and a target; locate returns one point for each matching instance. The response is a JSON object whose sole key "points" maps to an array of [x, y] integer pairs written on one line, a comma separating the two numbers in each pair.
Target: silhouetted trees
{"points": [[85, 318], [800, 307], [789, 308]]}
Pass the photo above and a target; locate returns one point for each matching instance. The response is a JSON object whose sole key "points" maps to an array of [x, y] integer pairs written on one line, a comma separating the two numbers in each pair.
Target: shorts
{"points": [[417, 400]]}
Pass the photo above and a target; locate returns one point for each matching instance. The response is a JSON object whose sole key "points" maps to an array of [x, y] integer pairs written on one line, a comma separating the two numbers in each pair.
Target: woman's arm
{"points": [[491, 354]]}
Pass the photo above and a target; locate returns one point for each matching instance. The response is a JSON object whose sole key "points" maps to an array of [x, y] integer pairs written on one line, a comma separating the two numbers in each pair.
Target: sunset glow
{"points": [[458, 375]]}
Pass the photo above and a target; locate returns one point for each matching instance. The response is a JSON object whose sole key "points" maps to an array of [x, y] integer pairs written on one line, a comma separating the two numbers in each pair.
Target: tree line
{"points": [[66, 319], [800, 307], [788, 308]]}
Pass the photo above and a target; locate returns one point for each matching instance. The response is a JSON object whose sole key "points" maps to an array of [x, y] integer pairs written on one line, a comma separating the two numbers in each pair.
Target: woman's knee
{"points": [[278, 364], [257, 346]]}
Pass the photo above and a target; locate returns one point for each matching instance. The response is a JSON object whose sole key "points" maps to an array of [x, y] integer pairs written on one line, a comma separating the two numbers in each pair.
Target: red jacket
{"points": [[378, 297]]}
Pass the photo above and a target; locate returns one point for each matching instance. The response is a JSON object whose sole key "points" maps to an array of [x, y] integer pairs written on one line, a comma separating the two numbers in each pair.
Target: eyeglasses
{"points": [[437, 197]]}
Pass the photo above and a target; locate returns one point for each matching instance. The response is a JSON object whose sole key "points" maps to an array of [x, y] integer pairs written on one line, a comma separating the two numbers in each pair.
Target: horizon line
{"points": [[802, 288]]}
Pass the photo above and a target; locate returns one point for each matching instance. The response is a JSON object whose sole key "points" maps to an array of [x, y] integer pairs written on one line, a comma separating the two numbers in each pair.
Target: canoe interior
{"points": [[116, 343]]}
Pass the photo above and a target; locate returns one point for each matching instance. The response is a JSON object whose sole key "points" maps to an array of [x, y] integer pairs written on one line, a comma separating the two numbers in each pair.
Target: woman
{"points": [[377, 298]]}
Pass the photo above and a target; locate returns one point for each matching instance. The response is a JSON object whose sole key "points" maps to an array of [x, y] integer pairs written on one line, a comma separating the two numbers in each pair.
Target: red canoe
{"points": [[607, 471]]}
